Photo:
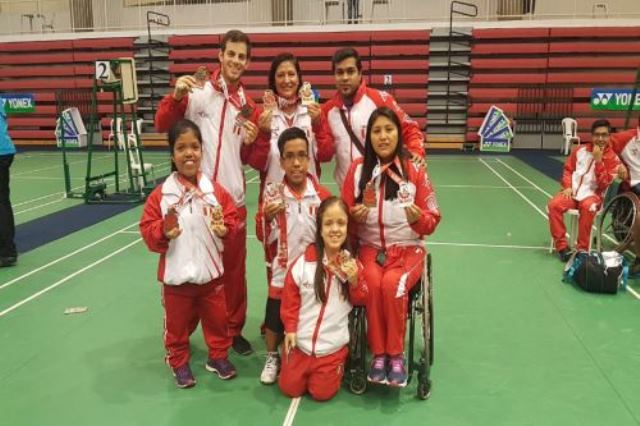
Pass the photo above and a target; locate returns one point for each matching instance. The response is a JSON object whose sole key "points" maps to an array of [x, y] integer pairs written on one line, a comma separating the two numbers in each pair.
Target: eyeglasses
{"points": [[292, 157]]}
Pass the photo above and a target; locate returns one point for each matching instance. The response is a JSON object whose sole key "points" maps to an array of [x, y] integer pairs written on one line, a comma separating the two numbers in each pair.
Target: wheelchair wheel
{"points": [[618, 223], [358, 384], [355, 370], [424, 307]]}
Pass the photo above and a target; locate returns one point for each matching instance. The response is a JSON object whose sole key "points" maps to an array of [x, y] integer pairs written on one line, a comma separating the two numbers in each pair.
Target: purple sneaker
{"points": [[222, 367], [378, 369], [397, 375], [184, 377]]}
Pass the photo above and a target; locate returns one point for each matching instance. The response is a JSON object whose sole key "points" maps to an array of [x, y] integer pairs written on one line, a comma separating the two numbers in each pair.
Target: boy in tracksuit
{"points": [[588, 172], [8, 253], [286, 226]]}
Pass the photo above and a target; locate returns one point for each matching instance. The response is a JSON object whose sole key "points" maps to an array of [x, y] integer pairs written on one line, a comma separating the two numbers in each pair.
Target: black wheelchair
{"points": [[619, 223], [420, 347]]}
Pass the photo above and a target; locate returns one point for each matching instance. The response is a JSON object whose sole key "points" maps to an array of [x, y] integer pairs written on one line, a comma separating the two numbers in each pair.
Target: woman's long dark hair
{"points": [[179, 128], [371, 158], [277, 61], [318, 282]]}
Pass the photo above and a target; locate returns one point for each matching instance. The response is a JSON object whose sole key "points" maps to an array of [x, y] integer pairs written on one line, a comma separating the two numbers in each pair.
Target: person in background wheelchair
{"points": [[627, 146], [588, 172], [394, 206]]}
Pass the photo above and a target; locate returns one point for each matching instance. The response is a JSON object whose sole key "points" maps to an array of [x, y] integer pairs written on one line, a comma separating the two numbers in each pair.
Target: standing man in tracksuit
{"points": [[349, 110], [227, 118]]}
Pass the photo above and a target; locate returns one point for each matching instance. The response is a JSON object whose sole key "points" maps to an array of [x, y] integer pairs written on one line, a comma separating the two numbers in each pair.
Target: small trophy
{"points": [[405, 194], [201, 76], [244, 114], [269, 100], [170, 220], [273, 193], [306, 94], [369, 195]]}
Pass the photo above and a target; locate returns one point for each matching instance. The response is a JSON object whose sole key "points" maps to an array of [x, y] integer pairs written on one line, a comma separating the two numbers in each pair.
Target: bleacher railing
{"points": [[61, 16]]}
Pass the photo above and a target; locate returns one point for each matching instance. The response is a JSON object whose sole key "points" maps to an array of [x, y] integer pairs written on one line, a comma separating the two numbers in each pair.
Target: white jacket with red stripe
{"points": [[365, 101], [300, 218], [223, 150], [587, 177], [391, 227], [321, 328], [319, 136], [195, 256], [627, 145]]}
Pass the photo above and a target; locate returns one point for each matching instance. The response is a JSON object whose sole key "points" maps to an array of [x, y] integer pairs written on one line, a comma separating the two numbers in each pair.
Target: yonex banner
{"points": [[614, 99], [18, 103]]}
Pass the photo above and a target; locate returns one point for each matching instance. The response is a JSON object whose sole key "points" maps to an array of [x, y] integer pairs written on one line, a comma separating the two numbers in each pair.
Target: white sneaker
{"points": [[271, 369]]}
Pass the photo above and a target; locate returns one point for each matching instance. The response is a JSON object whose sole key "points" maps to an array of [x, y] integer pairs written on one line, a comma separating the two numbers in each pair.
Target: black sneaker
{"points": [[241, 345], [8, 261], [564, 255]]}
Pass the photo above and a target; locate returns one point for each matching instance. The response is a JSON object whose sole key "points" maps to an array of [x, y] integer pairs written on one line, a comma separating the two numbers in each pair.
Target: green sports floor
{"points": [[513, 344]]}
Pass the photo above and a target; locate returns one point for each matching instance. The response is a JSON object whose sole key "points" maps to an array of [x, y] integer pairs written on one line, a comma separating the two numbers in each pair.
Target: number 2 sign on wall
{"points": [[103, 70]]}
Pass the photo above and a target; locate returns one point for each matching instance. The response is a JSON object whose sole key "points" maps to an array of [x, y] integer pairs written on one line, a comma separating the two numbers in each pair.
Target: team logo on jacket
{"points": [[306, 285]]}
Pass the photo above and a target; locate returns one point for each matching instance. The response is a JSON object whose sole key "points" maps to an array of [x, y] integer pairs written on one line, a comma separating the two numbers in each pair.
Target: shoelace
{"points": [[378, 363], [397, 365], [272, 362]]}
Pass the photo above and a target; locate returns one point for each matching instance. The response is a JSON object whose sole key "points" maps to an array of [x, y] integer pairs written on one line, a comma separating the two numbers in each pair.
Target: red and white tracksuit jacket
{"points": [[627, 145], [223, 154], [387, 230], [365, 101], [316, 364], [320, 144], [190, 266], [588, 179], [297, 225]]}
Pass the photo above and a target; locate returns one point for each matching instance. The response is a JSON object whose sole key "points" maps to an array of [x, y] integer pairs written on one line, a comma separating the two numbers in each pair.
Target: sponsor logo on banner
{"points": [[18, 103], [614, 99]]}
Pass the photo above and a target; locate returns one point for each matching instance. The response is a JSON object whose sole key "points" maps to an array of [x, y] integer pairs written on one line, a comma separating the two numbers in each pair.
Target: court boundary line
{"points": [[293, 409], [577, 335], [628, 288], [60, 259], [65, 279]]}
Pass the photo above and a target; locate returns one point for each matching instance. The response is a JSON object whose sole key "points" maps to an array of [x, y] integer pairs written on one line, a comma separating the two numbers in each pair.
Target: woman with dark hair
{"points": [[392, 201], [186, 220], [284, 107], [319, 291]]}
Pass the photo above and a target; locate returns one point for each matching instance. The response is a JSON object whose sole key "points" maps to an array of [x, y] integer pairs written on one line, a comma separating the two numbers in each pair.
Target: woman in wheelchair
{"points": [[394, 205], [319, 290]]}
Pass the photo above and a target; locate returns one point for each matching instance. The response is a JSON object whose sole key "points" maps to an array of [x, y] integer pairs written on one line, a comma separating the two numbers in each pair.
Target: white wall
{"points": [[113, 15]]}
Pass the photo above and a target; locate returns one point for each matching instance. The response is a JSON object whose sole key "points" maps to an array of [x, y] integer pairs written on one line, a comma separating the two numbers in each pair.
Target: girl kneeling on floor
{"points": [[320, 290], [185, 220]]}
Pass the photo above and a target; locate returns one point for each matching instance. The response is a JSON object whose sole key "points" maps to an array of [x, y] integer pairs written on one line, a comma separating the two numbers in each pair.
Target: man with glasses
{"points": [[587, 173]]}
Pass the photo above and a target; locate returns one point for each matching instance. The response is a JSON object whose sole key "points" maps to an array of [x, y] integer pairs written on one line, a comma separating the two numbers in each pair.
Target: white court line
{"points": [[514, 188], [505, 246], [73, 253], [524, 178], [130, 232], [254, 179], [628, 287], [39, 206], [108, 179], [67, 278], [37, 199], [291, 414], [57, 166]]}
